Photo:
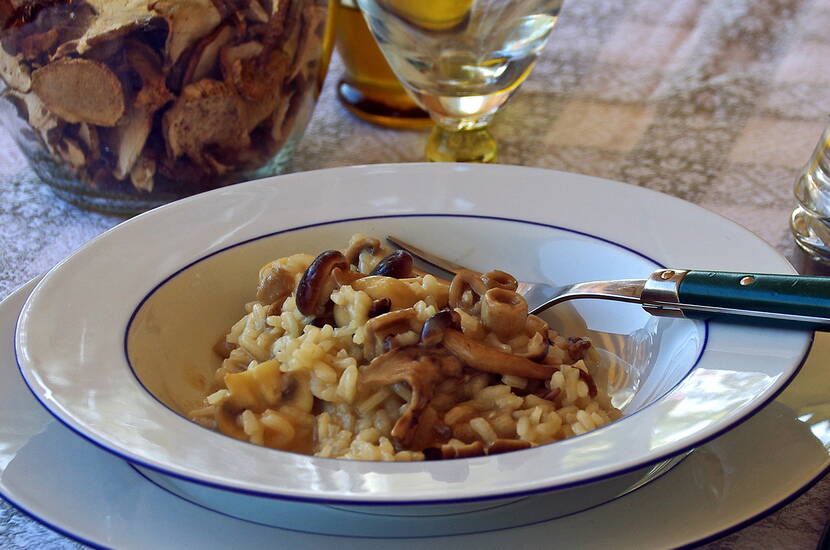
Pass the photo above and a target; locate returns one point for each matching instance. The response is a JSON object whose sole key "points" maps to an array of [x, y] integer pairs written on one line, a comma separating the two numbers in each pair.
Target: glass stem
{"points": [[467, 145]]}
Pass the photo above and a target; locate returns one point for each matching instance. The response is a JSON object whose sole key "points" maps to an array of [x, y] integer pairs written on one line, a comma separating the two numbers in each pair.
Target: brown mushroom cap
{"points": [[311, 291], [436, 326], [397, 265], [379, 307], [487, 359]]}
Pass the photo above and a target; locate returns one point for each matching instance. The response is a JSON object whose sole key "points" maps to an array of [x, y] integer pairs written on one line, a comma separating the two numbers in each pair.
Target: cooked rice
{"points": [[291, 385]]}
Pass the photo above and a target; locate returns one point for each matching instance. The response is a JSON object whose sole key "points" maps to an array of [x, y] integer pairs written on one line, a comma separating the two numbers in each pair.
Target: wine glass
{"points": [[461, 60]]}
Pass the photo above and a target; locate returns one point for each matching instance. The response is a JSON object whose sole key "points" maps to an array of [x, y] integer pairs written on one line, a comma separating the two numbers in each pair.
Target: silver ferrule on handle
{"points": [[660, 294]]}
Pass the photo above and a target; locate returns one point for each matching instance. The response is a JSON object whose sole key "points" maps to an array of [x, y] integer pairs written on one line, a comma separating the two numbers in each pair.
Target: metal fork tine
{"points": [[432, 259]]}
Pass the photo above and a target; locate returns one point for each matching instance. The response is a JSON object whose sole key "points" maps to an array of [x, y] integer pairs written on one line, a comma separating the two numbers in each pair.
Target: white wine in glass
{"points": [[461, 60]]}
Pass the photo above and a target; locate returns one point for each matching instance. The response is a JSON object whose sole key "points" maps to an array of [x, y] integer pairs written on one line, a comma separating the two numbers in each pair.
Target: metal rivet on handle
{"points": [[667, 274], [748, 280]]}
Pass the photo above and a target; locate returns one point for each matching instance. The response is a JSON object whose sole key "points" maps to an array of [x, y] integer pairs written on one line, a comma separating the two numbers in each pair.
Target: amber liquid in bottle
{"points": [[369, 88]]}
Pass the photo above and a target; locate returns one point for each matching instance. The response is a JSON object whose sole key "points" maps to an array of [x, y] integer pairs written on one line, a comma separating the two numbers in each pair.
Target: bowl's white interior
{"points": [[171, 337]]}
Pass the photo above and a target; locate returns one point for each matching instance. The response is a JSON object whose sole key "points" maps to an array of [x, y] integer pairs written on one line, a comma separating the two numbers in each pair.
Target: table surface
{"points": [[718, 102]]}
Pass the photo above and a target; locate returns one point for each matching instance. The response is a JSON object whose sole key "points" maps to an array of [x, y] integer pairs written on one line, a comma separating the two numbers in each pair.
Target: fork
{"points": [[797, 301]]}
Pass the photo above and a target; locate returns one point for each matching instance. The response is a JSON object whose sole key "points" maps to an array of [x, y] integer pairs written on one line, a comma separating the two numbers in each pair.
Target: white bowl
{"points": [[114, 338]]}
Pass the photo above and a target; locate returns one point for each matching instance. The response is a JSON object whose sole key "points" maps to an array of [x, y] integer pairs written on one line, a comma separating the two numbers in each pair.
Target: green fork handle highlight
{"points": [[788, 295]]}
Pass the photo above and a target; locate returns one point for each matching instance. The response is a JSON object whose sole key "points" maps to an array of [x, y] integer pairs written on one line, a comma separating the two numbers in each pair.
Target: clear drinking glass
{"points": [[461, 60], [810, 221]]}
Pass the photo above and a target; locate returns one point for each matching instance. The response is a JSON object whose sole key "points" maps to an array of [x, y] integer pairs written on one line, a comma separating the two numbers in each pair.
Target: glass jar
{"points": [[810, 221], [123, 106]]}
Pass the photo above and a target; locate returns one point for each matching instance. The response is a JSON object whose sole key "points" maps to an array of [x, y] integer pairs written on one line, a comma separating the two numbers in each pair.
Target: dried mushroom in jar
{"points": [[161, 94]]}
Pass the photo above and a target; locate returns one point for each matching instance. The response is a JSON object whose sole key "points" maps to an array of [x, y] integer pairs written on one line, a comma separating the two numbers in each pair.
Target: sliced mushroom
{"points": [[34, 29], [111, 20], [80, 90], [232, 58], [36, 113], [313, 19], [257, 73], [256, 12], [146, 63], [71, 152], [14, 72], [313, 290], [130, 138], [143, 174], [88, 135], [479, 356], [283, 19], [283, 118], [203, 61], [397, 265], [260, 83], [416, 367], [188, 21], [208, 112]]}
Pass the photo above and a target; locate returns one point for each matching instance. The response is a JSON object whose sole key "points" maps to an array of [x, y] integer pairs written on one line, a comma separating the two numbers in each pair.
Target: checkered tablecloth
{"points": [[719, 102]]}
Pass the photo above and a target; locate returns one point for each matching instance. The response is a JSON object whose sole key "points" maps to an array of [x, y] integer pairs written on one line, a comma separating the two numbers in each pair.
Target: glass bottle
{"points": [[810, 221], [368, 88]]}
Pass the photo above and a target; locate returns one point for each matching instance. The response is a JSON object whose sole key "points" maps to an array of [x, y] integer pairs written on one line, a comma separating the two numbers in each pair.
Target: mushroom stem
{"points": [[504, 312], [463, 280], [487, 359], [500, 279]]}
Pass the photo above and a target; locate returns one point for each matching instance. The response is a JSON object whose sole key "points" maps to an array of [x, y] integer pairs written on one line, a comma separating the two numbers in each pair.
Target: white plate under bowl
{"points": [[88, 494], [536, 223]]}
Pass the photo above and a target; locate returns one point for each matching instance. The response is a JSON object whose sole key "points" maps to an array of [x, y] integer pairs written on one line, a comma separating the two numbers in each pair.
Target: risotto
{"points": [[356, 354]]}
